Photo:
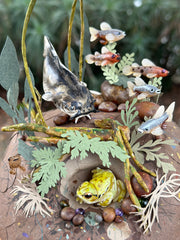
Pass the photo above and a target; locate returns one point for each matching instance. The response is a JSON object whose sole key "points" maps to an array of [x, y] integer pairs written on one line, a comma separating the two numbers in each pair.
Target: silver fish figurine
{"points": [[155, 125], [106, 34], [63, 88], [142, 90]]}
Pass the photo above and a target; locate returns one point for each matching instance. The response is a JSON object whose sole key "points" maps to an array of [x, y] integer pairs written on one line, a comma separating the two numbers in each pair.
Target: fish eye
{"points": [[151, 90], [87, 195], [163, 71], [113, 56], [146, 129]]}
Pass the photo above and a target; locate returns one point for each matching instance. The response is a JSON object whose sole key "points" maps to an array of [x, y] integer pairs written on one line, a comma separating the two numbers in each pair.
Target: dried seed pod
{"points": [[109, 214], [67, 213]]}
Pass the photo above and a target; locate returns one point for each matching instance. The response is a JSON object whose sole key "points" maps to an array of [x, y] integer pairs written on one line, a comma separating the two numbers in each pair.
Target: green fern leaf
{"points": [[50, 167], [80, 145]]}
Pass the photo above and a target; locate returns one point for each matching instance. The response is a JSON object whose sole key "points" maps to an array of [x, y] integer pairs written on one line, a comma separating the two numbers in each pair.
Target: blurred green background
{"points": [[152, 31]]}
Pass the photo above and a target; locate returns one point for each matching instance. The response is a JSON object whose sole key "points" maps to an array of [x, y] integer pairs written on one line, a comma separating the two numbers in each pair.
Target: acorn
{"points": [[127, 207], [109, 214], [138, 190], [67, 213]]}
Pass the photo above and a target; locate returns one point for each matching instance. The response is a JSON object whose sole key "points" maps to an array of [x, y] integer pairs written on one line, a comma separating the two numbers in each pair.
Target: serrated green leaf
{"points": [[80, 145], [50, 167], [9, 65], [12, 94], [7, 108]]}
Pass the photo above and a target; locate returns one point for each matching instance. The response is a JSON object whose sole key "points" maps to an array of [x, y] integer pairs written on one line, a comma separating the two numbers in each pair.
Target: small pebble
{"points": [[80, 211], [107, 107], [118, 219], [126, 206], [138, 190], [109, 214], [119, 212], [143, 202], [98, 218], [78, 219], [67, 213], [98, 99], [121, 107], [60, 119]]}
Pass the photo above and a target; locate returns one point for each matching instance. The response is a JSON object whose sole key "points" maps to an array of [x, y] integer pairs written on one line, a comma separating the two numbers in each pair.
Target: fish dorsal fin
{"points": [[110, 37], [139, 82], [130, 88], [170, 111], [146, 62], [159, 112], [105, 26], [135, 65], [104, 50], [157, 131]]}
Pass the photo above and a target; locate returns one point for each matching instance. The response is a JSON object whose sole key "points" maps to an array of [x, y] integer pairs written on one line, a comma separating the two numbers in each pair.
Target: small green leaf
{"points": [[9, 65], [7, 108]]}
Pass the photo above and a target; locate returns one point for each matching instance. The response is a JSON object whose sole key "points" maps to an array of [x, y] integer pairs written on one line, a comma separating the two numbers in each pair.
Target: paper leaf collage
{"points": [[150, 151], [48, 167], [80, 145]]}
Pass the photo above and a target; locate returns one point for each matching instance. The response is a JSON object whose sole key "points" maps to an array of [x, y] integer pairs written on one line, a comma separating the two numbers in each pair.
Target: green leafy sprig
{"points": [[129, 114], [49, 167], [149, 151], [113, 73], [79, 145]]}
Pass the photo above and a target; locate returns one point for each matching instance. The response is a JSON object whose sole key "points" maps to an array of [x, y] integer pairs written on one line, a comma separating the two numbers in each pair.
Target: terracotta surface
{"points": [[18, 227]]}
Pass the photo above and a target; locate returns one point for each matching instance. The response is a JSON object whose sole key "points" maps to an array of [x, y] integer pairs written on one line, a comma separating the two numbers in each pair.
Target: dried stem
{"points": [[73, 8], [128, 146], [81, 41], [23, 48], [103, 134]]}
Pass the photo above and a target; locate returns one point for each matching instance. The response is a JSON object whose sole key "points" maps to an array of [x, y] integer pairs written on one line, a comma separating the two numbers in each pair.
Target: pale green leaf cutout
{"points": [[25, 150], [7, 108], [13, 94], [9, 65], [80, 145], [50, 168], [150, 151]]}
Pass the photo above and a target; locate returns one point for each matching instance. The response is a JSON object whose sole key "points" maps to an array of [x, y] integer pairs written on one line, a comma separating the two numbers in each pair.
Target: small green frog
{"points": [[102, 189]]}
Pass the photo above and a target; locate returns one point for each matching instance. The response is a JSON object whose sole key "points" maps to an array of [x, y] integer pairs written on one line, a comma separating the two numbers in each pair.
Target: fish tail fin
{"points": [[127, 70], [89, 59], [93, 32], [170, 111], [130, 88]]}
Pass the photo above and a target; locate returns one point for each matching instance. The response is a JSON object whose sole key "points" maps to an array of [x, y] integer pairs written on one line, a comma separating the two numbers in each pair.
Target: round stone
{"points": [[119, 212], [114, 93], [78, 219], [80, 211], [109, 214], [67, 213], [62, 118], [127, 207], [107, 107]]}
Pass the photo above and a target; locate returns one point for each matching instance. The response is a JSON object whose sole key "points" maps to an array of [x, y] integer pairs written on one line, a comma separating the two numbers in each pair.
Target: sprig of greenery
{"points": [[49, 167], [129, 114], [113, 73], [128, 59], [149, 151], [79, 145], [157, 82]]}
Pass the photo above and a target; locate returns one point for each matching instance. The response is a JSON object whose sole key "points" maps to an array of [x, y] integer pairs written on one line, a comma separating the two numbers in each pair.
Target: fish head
{"points": [[145, 127], [164, 72], [119, 34], [153, 90]]}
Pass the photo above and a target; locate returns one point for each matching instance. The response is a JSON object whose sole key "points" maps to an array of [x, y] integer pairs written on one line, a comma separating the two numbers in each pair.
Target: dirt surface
{"points": [[15, 227]]}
